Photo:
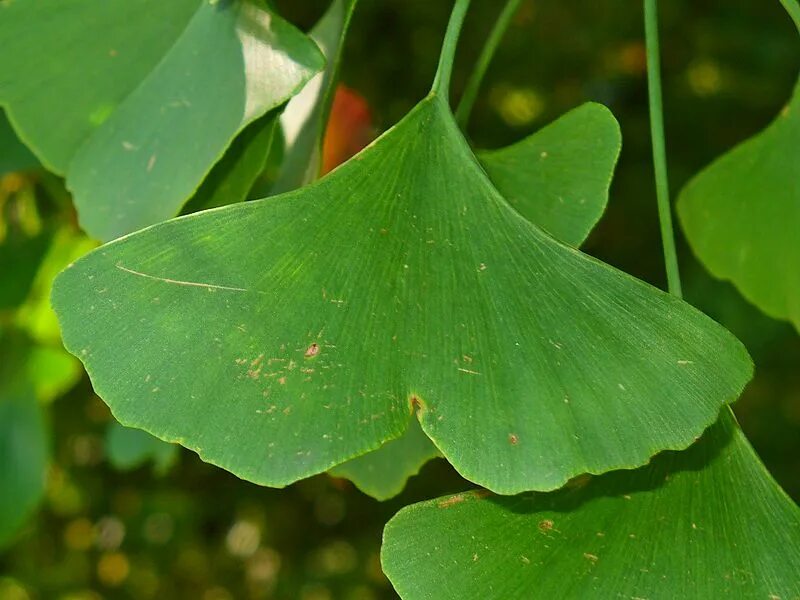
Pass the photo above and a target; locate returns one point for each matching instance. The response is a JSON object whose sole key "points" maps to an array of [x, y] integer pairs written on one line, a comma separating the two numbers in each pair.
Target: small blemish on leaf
{"points": [[590, 557], [312, 350], [513, 439], [453, 500], [546, 525]]}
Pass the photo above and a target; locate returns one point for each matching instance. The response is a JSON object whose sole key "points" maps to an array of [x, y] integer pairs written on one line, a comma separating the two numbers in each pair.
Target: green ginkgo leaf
{"points": [[558, 178], [708, 522], [741, 215], [23, 459], [148, 102], [383, 473], [279, 338], [89, 55]]}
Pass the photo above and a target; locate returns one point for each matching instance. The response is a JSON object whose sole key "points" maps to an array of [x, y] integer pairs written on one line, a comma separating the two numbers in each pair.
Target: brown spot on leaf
{"points": [[513, 439], [312, 350], [546, 525], [451, 501]]}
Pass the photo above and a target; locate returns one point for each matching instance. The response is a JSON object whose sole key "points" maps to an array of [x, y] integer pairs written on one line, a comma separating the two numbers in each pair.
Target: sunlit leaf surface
{"points": [[152, 93]]}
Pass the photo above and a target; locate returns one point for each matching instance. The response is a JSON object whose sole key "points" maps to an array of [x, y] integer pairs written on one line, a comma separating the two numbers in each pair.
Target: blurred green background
{"points": [[178, 528]]}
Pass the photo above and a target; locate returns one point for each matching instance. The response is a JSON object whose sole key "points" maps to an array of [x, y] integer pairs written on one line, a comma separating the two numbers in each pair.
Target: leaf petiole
{"points": [[441, 84], [659, 146]]}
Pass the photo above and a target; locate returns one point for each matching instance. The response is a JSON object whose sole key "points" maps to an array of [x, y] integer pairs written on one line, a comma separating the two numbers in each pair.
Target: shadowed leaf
{"points": [[705, 523]]}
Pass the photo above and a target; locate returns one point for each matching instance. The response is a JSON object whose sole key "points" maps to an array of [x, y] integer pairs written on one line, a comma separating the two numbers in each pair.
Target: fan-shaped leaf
{"points": [[282, 337], [705, 523], [557, 178]]}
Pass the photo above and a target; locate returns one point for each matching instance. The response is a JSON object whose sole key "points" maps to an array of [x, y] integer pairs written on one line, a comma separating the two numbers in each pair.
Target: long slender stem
{"points": [[793, 8], [659, 146], [487, 53], [441, 85]]}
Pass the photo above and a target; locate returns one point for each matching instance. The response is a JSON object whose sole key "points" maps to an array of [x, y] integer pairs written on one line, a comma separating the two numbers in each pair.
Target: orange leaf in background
{"points": [[349, 128]]}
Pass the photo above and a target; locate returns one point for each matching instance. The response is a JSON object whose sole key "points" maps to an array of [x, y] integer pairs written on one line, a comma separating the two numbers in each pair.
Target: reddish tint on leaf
{"points": [[349, 128]]}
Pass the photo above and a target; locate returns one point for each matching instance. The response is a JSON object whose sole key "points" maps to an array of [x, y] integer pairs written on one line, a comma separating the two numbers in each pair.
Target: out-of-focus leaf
{"points": [[383, 473], [14, 156], [350, 128], [35, 316], [52, 371], [23, 456], [708, 522], [304, 119], [741, 216], [559, 177], [130, 448], [20, 258], [282, 337]]}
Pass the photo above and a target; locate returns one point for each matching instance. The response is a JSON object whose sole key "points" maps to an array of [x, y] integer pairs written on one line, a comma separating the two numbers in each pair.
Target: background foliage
{"points": [[198, 532]]}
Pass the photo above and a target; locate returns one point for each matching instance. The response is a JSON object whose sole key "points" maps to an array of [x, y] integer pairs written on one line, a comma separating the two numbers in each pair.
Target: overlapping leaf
{"points": [[705, 523], [306, 115], [558, 178], [741, 215], [282, 337], [152, 92]]}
